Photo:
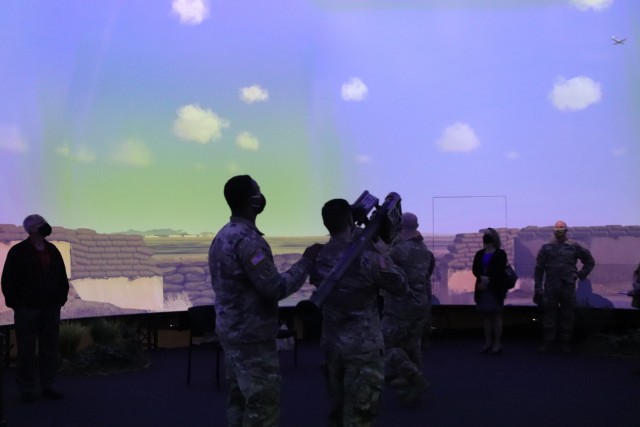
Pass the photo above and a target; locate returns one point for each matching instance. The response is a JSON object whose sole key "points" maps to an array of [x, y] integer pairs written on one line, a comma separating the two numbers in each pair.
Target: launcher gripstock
{"points": [[364, 204], [384, 217]]}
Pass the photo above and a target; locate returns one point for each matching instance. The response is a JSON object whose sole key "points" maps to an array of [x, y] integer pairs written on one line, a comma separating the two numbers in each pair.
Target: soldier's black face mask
{"points": [[560, 233], [45, 230], [486, 239], [258, 202]]}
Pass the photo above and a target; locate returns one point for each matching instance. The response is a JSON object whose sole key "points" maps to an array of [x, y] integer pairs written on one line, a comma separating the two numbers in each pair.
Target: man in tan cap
{"points": [[405, 315]]}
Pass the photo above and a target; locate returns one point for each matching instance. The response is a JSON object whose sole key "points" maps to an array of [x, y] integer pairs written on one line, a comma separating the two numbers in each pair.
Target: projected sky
{"points": [[119, 115]]}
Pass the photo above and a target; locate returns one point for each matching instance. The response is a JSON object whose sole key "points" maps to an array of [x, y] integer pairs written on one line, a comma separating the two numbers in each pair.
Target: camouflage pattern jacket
{"points": [[556, 264], [418, 263], [247, 284], [350, 317]]}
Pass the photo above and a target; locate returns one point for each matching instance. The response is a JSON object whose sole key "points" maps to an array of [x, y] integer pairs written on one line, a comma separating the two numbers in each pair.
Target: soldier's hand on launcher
{"points": [[380, 246], [311, 253]]}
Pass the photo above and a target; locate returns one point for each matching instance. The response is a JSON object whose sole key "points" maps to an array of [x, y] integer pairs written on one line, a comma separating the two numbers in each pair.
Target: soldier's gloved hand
{"points": [[538, 299], [311, 253], [380, 246]]}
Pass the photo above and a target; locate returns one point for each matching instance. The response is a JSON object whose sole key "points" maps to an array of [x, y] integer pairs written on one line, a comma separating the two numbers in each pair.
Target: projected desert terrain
{"points": [[115, 274]]}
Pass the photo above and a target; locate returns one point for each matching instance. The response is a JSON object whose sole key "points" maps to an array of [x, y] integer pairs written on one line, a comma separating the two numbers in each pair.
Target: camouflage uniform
{"points": [[556, 265], [247, 288], [351, 336], [405, 315], [635, 293]]}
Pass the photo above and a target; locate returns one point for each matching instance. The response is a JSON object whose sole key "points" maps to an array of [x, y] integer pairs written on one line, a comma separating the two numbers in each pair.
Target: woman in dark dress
{"points": [[489, 265]]}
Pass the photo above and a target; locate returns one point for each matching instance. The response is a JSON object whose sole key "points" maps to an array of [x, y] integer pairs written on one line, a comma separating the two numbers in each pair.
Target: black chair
{"points": [[202, 325]]}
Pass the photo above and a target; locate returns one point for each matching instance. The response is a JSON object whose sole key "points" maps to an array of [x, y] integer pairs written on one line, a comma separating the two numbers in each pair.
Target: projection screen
{"points": [[121, 121]]}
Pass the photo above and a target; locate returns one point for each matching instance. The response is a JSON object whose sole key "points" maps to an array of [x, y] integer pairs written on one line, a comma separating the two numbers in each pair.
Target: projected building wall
{"points": [[116, 274]]}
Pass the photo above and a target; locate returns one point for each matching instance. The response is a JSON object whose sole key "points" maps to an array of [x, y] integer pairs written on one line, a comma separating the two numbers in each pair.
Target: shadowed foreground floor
{"points": [[518, 388]]}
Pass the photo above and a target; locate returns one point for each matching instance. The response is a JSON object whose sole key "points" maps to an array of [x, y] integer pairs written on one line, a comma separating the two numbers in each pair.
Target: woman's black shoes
{"points": [[490, 350]]}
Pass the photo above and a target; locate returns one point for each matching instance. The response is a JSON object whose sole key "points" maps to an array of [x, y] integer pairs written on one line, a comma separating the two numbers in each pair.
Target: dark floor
{"points": [[518, 388]]}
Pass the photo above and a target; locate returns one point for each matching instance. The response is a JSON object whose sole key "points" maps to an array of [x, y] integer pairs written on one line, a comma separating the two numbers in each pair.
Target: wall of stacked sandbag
{"points": [[95, 255], [465, 246], [194, 279], [104, 256], [615, 248]]}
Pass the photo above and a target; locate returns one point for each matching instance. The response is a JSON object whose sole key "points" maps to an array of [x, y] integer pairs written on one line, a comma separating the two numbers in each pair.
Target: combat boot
{"points": [[544, 348], [426, 342], [417, 385], [399, 382]]}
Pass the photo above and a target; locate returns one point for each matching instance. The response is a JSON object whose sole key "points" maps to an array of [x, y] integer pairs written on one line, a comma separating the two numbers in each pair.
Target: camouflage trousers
{"points": [[558, 312], [253, 374], [402, 342], [355, 383], [428, 320]]}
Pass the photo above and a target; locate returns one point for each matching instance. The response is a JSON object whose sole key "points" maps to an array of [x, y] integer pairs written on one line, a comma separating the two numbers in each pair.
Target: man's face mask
{"points": [[258, 202], [44, 230], [560, 233]]}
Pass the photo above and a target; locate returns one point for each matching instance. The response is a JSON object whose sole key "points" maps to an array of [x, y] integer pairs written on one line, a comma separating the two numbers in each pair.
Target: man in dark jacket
{"points": [[35, 286]]}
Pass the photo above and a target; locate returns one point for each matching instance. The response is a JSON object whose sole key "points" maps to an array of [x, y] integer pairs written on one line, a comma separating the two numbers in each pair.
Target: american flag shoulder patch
{"points": [[257, 258]]}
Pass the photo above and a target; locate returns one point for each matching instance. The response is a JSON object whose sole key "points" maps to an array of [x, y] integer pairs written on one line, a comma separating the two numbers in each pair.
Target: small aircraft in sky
{"points": [[617, 40]]}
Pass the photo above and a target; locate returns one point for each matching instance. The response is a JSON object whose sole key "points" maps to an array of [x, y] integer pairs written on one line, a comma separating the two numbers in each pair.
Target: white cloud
{"points": [[81, 154], [512, 155], [12, 140], [63, 150], [591, 4], [233, 168], [255, 93], [199, 125], [133, 152], [618, 152], [354, 90], [363, 159], [575, 94], [191, 12], [458, 137], [246, 141]]}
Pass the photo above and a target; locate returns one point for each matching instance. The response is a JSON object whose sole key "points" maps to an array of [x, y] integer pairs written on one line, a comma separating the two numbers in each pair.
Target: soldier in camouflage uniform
{"points": [[405, 315], [247, 289], [555, 285], [351, 336]]}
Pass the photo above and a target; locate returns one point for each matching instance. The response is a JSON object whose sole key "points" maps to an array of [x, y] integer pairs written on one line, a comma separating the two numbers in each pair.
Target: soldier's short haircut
{"points": [[237, 190], [336, 215]]}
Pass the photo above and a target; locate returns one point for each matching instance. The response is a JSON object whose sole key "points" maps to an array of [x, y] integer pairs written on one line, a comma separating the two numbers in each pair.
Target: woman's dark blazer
{"points": [[495, 271]]}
